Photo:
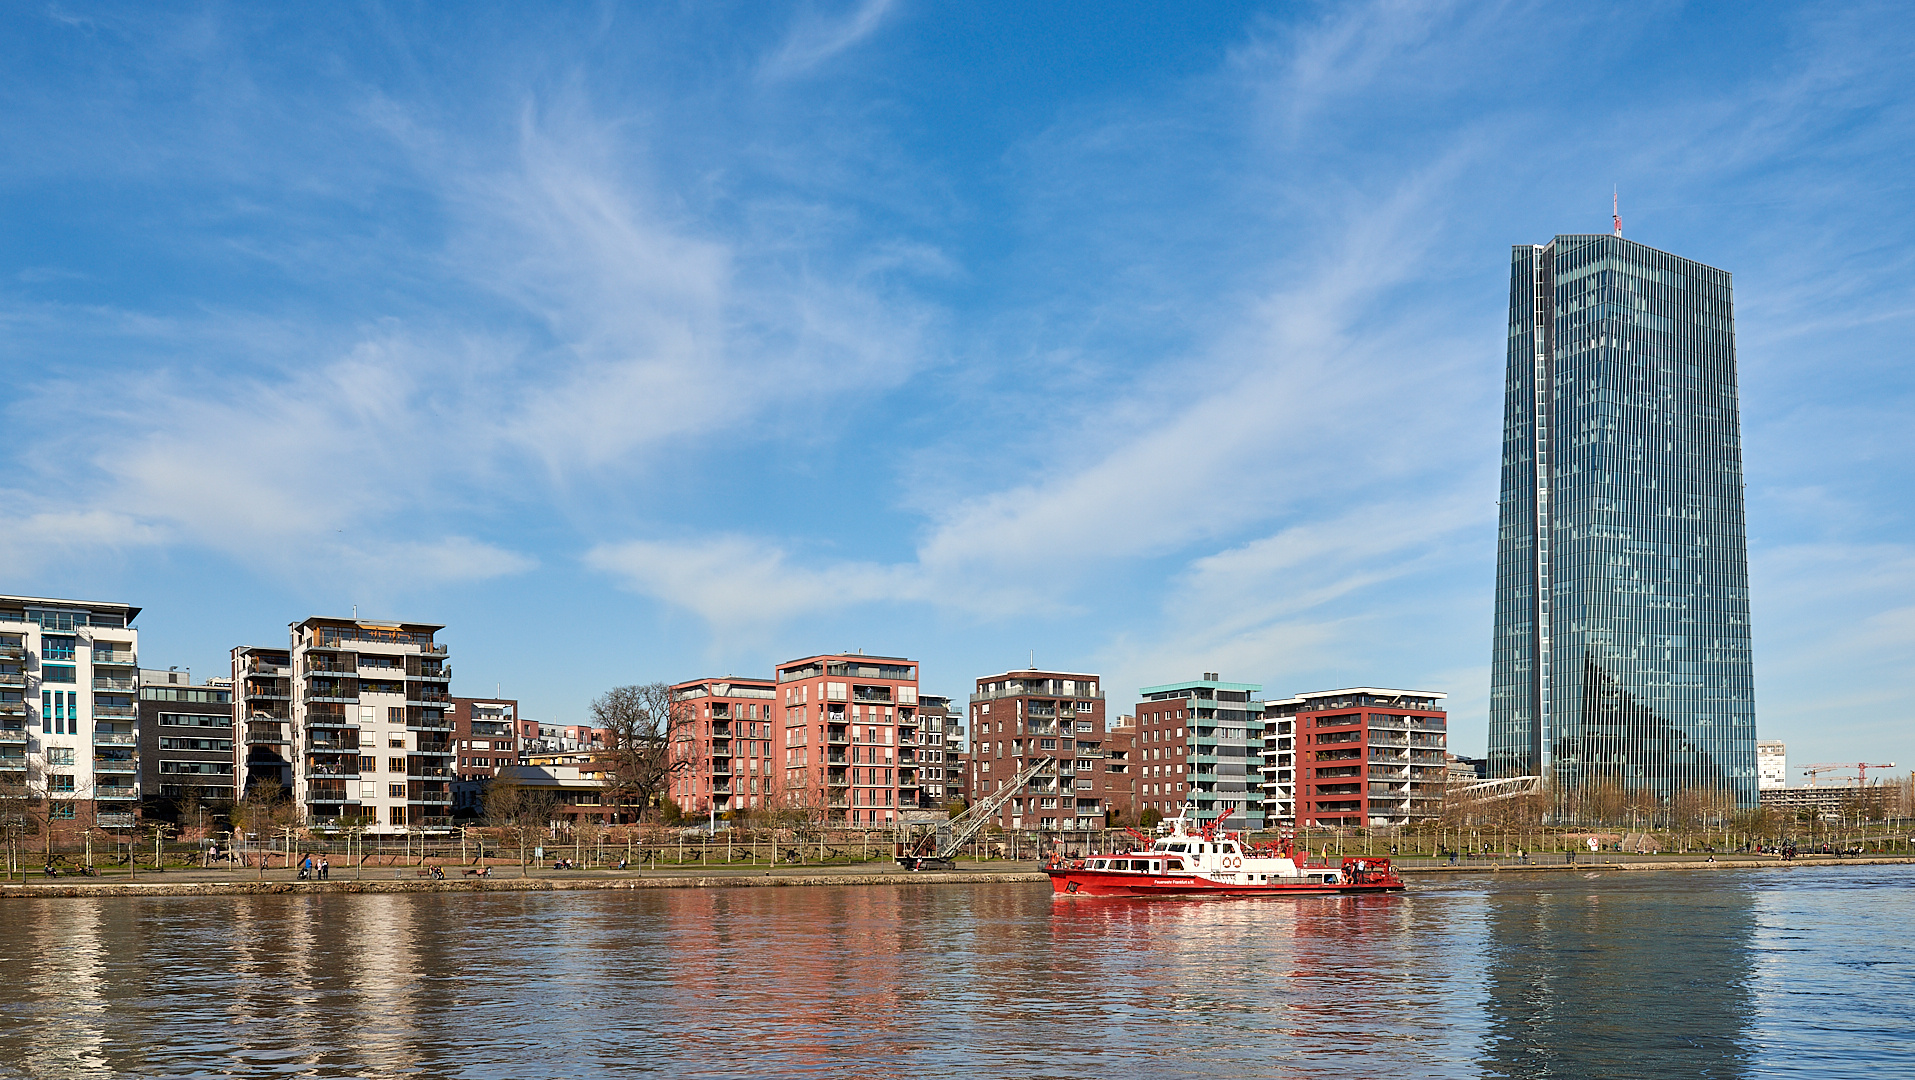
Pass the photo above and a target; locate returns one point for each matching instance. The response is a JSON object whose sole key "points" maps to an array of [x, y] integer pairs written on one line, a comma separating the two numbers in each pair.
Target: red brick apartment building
{"points": [[1020, 716], [1366, 756], [728, 742], [485, 734], [850, 736]]}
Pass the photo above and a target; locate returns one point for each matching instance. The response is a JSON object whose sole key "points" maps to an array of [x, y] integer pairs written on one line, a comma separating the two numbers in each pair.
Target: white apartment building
{"points": [[365, 735], [69, 689], [1771, 766]]}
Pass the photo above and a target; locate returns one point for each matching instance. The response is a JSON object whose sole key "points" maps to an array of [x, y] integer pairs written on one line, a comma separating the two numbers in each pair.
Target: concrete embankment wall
{"points": [[748, 881], [537, 884]]}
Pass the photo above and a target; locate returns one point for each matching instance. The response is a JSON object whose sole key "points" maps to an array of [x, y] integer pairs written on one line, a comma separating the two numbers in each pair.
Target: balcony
{"points": [[335, 696], [431, 797], [103, 766], [115, 659], [433, 771], [114, 738], [13, 708], [113, 791], [838, 737], [432, 723], [444, 674], [328, 795], [836, 757], [103, 682], [13, 763], [330, 720], [333, 770], [13, 678], [13, 735], [124, 712], [115, 821], [275, 738]]}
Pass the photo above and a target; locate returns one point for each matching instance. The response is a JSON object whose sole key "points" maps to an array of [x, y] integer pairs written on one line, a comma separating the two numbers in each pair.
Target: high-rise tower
{"points": [[1621, 650]]}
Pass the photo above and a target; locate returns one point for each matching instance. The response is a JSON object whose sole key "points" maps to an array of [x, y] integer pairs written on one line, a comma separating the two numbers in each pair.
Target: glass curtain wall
{"points": [[1621, 649]]}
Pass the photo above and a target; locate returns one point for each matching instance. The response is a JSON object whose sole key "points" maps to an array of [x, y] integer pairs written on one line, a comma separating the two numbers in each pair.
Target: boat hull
{"points": [[1106, 883]]}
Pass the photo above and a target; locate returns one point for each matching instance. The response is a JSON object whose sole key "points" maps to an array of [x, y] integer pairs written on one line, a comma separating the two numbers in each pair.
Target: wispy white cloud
{"points": [[816, 37]]}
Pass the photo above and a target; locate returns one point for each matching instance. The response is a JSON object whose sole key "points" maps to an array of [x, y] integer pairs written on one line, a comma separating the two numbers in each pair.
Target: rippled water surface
{"points": [[1726, 974]]}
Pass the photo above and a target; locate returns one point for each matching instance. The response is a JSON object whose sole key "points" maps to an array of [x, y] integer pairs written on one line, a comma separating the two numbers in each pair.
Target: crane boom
{"points": [[962, 828]]}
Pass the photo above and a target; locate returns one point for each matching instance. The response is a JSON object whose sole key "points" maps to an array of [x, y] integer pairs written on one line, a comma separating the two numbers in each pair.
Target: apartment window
{"points": [[395, 714], [396, 742], [61, 810], [395, 815], [58, 673], [396, 764], [60, 783], [57, 648], [397, 791], [368, 789], [59, 755], [368, 764]]}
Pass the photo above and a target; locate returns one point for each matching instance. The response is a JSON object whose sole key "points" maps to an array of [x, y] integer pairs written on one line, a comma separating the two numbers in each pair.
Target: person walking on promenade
{"points": [[325, 869]]}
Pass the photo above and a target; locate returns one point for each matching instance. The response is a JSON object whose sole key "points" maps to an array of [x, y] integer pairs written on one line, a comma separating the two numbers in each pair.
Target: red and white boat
{"points": [[1212, 862]]}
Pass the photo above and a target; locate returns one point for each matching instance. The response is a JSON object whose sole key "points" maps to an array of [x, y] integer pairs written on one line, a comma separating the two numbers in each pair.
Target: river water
{"points": [[1727, 974]]}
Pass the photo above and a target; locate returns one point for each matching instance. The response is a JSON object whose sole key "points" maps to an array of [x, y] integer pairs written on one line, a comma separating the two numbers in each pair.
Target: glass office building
{"points": [[1621, 648]]}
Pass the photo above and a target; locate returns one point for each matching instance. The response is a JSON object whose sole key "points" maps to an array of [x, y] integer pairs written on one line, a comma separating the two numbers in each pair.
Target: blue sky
{"points": [[644, 342]]}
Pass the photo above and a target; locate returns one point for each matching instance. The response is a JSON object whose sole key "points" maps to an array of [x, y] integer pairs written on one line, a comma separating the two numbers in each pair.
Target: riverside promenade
{"points": [[227, 882]]}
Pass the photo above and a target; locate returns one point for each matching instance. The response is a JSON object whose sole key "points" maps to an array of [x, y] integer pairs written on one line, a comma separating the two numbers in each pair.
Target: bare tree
{"points": [[263, 811], [643, 726], [517, 812]]}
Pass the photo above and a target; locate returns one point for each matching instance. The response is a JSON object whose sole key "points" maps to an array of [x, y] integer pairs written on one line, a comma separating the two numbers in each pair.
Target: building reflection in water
{"points": [[1645, 976], [65, 1030], [1575, 977]]}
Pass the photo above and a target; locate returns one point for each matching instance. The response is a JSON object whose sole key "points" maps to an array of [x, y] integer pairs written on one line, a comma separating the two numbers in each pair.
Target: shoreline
{"points": [[85, 888]]}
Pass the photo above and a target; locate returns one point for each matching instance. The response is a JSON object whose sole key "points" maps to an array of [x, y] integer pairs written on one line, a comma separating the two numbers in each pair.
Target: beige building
{"points": [[365, 733]]}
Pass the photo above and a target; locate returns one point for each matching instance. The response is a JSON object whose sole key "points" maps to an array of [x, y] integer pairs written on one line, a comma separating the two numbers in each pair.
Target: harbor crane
{"points": [[1861, 770], [938, 849]]}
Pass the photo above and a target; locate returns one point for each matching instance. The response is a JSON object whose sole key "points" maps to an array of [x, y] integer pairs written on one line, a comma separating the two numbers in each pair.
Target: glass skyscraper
{"points": [[1621, 650]]}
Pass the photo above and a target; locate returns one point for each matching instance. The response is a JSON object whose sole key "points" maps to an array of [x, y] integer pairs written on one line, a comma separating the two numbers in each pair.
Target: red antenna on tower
{"points": [[1615, 208]]}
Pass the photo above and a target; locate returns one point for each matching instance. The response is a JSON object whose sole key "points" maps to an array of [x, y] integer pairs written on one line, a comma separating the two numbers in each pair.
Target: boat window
{"points": [[1097, 864], [1175, 864], [1156, 866], [1120, 864]]}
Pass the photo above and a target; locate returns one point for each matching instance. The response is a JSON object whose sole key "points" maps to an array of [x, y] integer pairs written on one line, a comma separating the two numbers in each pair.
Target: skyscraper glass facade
{"points": [[1621, 650]]}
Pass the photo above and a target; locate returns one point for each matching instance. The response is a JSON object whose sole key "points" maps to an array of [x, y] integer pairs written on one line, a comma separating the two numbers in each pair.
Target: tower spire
{"points": [[1615, 208]]}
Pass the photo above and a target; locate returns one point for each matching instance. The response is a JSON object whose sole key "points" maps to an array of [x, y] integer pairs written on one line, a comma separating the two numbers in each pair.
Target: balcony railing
{"points": [[431, 797], [100, 766], [125, 712], [13, 735], [115, 821], [118, 659], [332, 770], [104, 682], [114, 738], [113, 791]]}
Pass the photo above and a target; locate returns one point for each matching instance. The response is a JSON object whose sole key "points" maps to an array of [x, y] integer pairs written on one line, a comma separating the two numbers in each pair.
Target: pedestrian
{"points": [[325, 869]]}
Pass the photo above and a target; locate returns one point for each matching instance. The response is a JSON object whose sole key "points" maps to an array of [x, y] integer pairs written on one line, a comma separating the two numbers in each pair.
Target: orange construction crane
{"points": [[1861, 770]]}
